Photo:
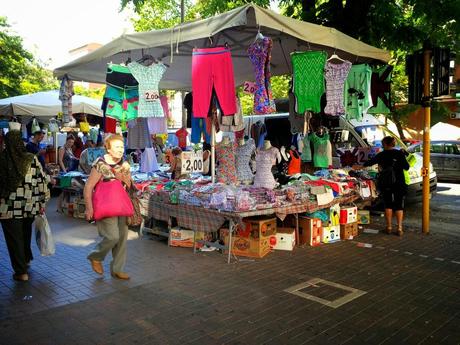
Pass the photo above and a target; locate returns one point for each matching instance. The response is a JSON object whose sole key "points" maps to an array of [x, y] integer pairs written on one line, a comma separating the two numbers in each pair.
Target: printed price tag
{"points": [[192, 162], [151, 96], [249, 87]]}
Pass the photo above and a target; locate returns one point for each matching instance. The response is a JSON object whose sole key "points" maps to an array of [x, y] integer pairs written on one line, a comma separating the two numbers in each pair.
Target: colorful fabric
{"points": [[265, 160], [260, 55], [258, 133], [212, 68], [306, 151], [199, 130], [243, 157], [65, 96], [149, 98], [29, 197], [336, 75], [226, 163], [358, 91], [157, 125], [308, 74], [120, 76]]}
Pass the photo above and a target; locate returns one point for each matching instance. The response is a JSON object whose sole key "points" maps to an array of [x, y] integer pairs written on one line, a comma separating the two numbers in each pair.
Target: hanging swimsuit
{"points": [[260, 55]]}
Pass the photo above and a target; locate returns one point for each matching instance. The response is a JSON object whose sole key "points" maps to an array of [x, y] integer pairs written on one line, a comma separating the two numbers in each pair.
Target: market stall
{"points": [[266, 169]]}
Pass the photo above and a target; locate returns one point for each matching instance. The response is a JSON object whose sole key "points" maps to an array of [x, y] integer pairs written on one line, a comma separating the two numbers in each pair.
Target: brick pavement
{"points": [[411, 284]]}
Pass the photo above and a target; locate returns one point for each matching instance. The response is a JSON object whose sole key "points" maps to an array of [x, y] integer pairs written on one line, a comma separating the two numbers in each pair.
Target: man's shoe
{"points": [[120, 275], [97, 266], [21, 277]]}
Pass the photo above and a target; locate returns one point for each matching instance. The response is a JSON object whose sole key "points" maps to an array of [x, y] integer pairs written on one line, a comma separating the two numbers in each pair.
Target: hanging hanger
{"points": [[259, 35], [335, 57]]}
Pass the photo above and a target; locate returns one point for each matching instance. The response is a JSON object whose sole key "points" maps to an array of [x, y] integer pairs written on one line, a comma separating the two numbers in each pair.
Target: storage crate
{"points": [[348, 231], [310, 231], [285, 239]]}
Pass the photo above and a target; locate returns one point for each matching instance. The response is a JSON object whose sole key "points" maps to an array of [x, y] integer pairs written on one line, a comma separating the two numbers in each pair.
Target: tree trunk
{"points": [[400, 130]]}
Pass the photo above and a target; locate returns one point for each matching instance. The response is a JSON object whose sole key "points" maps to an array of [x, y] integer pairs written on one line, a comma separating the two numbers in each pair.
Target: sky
{"points": [[50, 28]]}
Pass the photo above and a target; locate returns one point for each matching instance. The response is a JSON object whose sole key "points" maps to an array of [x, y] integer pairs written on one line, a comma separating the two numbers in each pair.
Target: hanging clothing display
{"points": [[381, 90], [296, 120], [260, 55], [149, 160], [233, 123], [306, 150], [110, 125], [120, 77], [265, 160], [336, 75], [149, 98], [182, 135], [65, 96], [322, 150], [294, 163], [165, 105], [258, 133], [358, 91], [283, 165], [212, 68], [308, 75], [226, 163], [188, 105], [199, 130], [157, 125], [243, 157], [138, 134]]}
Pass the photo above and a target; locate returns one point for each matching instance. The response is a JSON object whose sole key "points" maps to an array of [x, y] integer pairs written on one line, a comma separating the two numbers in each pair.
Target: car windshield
{"points": [[374, 134]]}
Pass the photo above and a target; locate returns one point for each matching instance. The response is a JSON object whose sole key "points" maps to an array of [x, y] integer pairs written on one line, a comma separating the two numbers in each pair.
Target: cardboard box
{"points": [[258, 227], [364, 217], [348, 214], [285, 239], [348, 231], [184, 238], [250, 247], [331, 234], [310, 231]]}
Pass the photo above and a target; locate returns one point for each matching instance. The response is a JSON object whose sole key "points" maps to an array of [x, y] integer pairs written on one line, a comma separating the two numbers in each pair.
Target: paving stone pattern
{"points": [[176, 297]]}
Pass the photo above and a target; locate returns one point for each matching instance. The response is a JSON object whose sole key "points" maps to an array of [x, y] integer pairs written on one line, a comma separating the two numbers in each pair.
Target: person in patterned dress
{"points": [[23, 195]]}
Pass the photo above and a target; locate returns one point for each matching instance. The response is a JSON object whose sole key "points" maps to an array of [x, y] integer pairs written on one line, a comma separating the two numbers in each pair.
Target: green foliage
{"points": [[209, 8], [92, 93], [20, 73], [439, 113]]}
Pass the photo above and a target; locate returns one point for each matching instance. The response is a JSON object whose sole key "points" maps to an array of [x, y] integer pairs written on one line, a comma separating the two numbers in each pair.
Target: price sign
{"points": [[249, 87], [151, 96], [192, 162], [362, 155]]}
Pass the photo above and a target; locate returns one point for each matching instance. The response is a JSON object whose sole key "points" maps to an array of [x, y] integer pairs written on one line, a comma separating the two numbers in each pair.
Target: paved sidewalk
{"points": [[411, 287]]}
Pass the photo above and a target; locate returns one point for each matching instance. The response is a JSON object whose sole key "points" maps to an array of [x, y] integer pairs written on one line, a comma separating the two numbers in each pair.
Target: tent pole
{"points": [[55, 147]]}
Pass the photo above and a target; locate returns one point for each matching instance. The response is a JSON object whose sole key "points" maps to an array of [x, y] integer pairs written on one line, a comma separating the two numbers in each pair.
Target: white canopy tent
{"points": [[47, 104], [238, 29], [444, 131]]}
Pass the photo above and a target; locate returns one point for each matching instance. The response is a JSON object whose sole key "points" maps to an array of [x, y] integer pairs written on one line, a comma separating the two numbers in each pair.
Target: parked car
{"points": [[445, 157]]}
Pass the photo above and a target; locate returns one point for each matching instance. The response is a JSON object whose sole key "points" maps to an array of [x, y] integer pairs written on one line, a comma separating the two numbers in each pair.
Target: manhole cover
{"points": [[325, 292]]}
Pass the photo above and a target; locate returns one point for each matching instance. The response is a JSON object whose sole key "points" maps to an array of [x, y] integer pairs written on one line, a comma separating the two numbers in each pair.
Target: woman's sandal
{"points": [[388, 230], [400, 232]]}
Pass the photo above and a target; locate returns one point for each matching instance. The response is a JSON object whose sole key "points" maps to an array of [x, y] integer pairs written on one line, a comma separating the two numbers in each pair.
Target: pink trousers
{"points": [[212, 67]]}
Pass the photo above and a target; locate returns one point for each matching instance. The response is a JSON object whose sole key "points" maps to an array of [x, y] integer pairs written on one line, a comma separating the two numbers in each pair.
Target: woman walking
{"points": [[391, 181], [23, 195], [113, 230]]}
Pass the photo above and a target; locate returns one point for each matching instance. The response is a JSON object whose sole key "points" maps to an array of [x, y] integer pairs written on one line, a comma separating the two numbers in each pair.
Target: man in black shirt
{"points": [[33, 146], [391, 182]]}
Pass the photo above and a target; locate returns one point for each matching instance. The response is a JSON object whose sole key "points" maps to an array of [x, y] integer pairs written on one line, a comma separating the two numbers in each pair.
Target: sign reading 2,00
{"points": [[192, 162], [151, 96]]}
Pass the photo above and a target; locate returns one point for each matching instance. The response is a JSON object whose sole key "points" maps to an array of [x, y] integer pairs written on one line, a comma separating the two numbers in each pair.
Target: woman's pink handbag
{"points": [[110, 199]]}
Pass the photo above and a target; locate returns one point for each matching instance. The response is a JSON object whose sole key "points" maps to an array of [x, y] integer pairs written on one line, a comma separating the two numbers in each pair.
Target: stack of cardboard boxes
{"points": [[348, 222]]}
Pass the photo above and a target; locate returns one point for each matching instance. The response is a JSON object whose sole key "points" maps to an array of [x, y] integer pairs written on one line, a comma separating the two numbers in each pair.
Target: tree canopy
{"points": [[20, 72]]}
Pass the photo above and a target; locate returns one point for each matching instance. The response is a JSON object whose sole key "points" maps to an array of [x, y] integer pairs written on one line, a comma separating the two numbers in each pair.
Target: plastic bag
{"points": [[43, 236], [53, 126], [84, 126], [35, 126]]}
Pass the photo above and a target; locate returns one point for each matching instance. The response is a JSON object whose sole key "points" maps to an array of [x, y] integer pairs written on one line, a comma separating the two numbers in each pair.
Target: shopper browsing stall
{"points": [[112, 228], [66, 157], [33, 146], [391, 181]]}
